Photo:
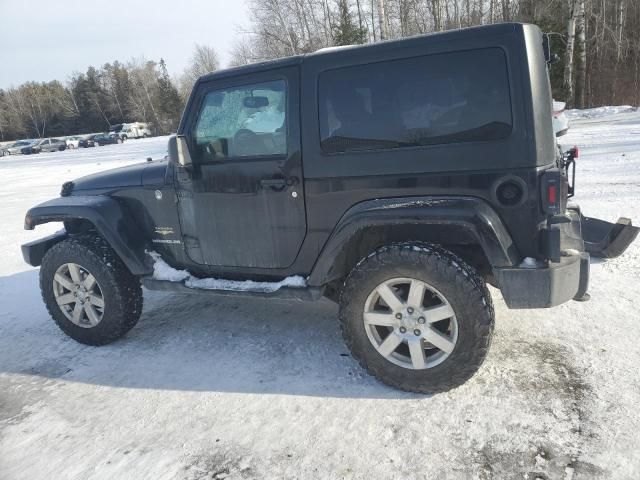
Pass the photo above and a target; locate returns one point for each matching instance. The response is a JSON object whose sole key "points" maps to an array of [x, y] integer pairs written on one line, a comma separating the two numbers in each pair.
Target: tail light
{"points": [[575, 152], [554, 192]]}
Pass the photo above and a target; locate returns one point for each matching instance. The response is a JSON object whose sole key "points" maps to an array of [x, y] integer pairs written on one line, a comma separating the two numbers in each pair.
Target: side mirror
{"points": [[179, 151]]}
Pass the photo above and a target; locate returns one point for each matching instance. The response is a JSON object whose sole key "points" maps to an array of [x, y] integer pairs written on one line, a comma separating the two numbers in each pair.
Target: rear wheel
{"points": [[88, 291], [119, 140], [417, 317]]}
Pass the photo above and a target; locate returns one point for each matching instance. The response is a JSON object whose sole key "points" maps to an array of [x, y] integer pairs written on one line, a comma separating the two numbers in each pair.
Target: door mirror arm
{"points": [[184, 156], [179, 152]]}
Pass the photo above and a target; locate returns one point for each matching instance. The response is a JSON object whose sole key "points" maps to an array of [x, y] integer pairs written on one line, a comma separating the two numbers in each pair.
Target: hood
{"points": [[132, 176]]}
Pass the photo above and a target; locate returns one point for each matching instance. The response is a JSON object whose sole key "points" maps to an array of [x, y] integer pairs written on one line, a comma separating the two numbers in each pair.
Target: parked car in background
{"points": [[72, 142], [107, 138], [560, 120], [16, 148], [33, 146], [117, 128], [87, 142], [45, 145]]}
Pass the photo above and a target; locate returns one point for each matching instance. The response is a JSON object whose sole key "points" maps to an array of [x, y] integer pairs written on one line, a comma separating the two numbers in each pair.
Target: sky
{"points": [[44, 40]]}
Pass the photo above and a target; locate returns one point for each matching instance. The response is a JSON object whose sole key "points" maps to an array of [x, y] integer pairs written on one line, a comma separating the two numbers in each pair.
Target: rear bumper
{"points": [[568, 243], [545, 287]]}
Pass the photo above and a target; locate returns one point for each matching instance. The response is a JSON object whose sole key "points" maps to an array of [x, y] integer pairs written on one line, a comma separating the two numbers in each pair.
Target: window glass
{"points": [[445, 98], [242, 121]]}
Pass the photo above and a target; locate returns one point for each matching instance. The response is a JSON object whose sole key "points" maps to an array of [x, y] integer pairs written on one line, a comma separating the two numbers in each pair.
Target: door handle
{"points": [[274, 182]]}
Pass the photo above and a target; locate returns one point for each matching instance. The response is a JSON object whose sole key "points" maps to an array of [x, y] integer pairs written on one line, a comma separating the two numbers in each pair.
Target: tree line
{"points": [[93, 101], [597, 41]]}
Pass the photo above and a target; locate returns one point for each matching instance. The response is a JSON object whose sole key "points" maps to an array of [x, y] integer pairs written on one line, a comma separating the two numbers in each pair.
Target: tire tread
{"points": [[126, 288], [448, 265]]}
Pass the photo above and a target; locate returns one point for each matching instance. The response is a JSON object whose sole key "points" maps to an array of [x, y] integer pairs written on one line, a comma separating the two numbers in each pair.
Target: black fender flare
{"points": [[445, 214], [105, 214]]}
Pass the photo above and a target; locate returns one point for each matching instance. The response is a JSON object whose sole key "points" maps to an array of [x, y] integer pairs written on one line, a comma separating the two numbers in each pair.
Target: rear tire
{"points": [[114, 302], [461, 338]]}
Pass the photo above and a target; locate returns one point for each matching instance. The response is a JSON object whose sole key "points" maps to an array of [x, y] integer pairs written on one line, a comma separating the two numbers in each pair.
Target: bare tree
{"points": [[581, 63], [567, 82], [383, 22]]}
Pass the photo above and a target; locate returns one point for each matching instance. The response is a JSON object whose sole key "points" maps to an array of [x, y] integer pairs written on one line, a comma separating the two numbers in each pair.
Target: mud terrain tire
{"points": [[465, 291], [120, 290]]}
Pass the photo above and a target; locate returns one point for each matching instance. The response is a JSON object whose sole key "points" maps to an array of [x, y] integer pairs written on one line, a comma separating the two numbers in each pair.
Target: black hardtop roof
{"points": [[469, 33]]}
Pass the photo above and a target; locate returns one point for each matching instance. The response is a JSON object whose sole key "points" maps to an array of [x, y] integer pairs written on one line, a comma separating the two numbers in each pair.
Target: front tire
{"points": [[88, 291], [417, 317]]}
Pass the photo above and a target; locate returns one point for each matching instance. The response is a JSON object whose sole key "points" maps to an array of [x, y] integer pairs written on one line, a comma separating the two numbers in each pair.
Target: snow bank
{"points": [[599, 111], [162, 271]]}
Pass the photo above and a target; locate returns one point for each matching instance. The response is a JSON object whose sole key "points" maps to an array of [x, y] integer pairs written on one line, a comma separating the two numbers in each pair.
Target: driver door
{"points": [[242, 202]]}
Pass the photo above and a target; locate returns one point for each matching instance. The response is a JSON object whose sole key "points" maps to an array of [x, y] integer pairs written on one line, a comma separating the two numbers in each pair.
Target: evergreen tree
{"points": [[170, 103], [347, 31]]}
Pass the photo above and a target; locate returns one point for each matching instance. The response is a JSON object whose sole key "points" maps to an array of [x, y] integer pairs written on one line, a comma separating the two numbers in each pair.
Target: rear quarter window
{"points": [[427, 100]]}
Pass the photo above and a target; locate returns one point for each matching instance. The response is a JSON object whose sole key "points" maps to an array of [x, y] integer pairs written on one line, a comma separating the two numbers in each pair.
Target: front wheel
{"points": [[417, 317], [88, 291]]}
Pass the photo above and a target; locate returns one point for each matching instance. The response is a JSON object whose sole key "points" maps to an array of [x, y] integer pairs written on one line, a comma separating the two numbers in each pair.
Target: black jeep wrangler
{"points": [[396, 179]]}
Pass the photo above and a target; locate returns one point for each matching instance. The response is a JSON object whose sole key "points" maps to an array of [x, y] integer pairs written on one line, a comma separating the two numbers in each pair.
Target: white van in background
{"points": [[133, 130]]}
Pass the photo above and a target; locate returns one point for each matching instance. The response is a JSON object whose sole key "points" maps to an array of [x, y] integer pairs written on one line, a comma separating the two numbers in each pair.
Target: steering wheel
{"points": [[245, 142]]}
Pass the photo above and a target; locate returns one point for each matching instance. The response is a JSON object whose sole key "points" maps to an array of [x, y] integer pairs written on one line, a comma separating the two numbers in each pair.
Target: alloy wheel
{"points": [[78, 295], [410, 323]]}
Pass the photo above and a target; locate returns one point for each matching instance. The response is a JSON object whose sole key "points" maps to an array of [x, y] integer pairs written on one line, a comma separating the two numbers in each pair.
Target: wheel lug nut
{"points": [[398, 316], [410, 309], [416, 332], [403, 330], [421, 320]]}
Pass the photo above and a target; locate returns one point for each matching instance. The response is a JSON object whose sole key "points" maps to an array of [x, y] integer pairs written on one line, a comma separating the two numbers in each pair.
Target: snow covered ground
{"points": [[228, 388]]}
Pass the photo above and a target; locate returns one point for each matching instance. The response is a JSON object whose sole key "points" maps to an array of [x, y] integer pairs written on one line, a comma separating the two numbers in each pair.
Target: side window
{"points": [[444, 98], [244, 121]]}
